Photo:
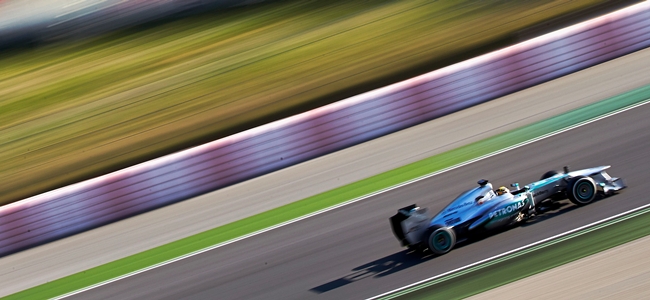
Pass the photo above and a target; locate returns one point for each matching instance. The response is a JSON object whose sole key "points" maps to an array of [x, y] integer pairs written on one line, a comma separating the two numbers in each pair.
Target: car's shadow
{"points": [[408, 258], [378, 268], [558, 209]]}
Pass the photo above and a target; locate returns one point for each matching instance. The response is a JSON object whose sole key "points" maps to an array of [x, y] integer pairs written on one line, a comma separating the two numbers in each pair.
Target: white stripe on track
{"points": [[197, 252]]}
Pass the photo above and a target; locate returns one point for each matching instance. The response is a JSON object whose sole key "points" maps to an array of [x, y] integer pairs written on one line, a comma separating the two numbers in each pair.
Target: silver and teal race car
{"points": [[481, 210]]}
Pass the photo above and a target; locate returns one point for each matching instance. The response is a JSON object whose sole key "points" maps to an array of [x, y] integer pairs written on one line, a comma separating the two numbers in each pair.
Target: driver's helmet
{"points": [[502, 190]]}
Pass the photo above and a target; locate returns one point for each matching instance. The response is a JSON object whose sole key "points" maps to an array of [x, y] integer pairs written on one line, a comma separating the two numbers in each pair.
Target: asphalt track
{"points": [[350, 253]]}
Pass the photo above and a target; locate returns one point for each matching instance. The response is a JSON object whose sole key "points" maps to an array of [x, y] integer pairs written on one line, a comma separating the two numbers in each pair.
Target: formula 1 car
{"points": [[480, 210]]}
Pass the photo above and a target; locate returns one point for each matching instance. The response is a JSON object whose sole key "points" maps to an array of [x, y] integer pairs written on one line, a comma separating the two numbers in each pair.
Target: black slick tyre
{"points": [[581, 190], [549, 174], [441, 240]]}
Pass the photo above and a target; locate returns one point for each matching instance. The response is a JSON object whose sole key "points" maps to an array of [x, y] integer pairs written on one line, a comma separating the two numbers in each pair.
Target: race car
{"points": [[481, 210]]}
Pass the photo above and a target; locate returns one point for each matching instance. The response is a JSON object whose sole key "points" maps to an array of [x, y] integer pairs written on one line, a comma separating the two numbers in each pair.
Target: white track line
{"points": [[412, 285], [354, 200]]}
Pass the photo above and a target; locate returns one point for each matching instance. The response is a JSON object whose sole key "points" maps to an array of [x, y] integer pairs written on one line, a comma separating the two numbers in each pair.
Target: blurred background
{"points": [[88, 87], [35, 22], [92, 86]]}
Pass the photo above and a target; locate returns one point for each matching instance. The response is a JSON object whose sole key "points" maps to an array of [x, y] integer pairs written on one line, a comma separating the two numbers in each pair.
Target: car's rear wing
{"points": [[396, 223], [409, 224]]}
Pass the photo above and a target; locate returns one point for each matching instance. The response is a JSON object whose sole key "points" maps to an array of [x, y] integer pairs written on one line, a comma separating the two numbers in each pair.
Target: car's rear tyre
{"points": [[441, 240], [549, 174], [581, 190]]}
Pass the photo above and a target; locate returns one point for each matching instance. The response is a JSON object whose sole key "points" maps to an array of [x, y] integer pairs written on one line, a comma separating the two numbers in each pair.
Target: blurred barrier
{"points": [[276, 145]]}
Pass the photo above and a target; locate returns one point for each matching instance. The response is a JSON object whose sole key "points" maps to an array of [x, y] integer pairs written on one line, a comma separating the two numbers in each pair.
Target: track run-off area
{"points": [[350, 252]]}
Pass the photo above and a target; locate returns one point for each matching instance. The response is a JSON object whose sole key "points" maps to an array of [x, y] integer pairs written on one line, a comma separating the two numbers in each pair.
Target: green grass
{"points": [[330, 198], [73, 111], [534, 262]]}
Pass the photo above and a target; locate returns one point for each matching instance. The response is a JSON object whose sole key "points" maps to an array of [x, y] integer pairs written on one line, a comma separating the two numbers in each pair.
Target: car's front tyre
{"points": [[581, 190]]}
